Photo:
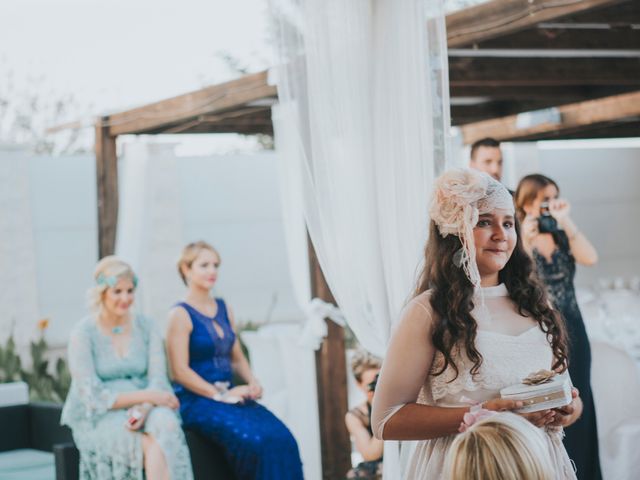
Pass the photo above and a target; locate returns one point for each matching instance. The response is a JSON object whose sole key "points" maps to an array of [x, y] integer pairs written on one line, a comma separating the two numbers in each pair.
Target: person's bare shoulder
{"points": [[179, 319]]}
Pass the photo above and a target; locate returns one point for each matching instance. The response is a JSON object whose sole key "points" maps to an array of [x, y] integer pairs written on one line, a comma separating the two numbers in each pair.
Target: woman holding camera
{"points": [[556, 244], [365, 368]]}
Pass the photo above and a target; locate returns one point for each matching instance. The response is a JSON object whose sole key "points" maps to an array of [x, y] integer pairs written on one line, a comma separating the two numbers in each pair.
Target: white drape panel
{"points": [[617, 410], [364, 107], [362, 130], [291, 199], [286, 370], [150, 229]]}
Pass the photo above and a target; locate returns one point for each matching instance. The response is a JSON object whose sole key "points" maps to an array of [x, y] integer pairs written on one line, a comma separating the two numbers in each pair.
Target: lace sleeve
{"points": [[92, 394], [157, 370], [406, 364]]}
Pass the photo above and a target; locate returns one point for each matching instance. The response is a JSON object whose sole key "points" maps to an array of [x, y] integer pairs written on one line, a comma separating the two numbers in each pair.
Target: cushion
{"points": [[27, 464]]}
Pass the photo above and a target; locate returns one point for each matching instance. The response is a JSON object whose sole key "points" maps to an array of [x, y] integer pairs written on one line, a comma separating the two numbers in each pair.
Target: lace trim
{"points": [[498, 368]]}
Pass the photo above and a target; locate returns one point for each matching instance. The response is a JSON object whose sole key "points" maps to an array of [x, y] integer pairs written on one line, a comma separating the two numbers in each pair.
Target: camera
{"points": [[546, 223], [372, 386]]}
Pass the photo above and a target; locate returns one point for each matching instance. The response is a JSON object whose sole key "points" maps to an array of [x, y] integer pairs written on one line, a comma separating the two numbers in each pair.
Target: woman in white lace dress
{"points": [[479, 321]]}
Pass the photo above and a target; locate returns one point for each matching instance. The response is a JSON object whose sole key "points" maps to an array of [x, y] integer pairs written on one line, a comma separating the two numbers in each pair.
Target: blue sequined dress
{"points": [[581, 438], [256, 443]]}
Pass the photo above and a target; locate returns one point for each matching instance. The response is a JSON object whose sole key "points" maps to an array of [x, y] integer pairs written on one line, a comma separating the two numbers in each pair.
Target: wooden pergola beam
{"points": [[501, 17], [107, 183], [500, 103], [573, 117], [185, 108], [559, 94], [622, 129], [543, 72], [254, 120], [615, 38]]}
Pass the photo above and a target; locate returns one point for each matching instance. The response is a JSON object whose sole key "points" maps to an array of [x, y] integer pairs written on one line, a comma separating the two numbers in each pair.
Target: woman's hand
{"points": [[136, 416], [255, 390], [529, 229], [502, 405], [163, 399], [559, 209], [568, 414], [539, 419], [237, 394]]}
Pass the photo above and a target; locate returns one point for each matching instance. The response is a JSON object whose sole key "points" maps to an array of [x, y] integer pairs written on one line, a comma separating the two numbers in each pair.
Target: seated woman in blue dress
{"points": [[204, 352], [120, 407]]}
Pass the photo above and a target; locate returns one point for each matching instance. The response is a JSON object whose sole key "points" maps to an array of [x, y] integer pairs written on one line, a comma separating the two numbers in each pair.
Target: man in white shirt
{"points": [[486, 156]]}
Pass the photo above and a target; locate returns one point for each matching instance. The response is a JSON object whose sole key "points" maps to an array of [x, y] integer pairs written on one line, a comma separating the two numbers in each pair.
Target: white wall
{"points": [[231, 201], [64, 210], [18, 275]]}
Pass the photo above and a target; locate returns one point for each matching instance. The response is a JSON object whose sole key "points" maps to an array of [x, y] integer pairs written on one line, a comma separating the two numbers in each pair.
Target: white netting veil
{"points": [[460, 196]]}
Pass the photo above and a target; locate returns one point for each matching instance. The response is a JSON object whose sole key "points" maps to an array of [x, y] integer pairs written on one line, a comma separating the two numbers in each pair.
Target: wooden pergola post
{"points": [[331, 377], [107, 183]]}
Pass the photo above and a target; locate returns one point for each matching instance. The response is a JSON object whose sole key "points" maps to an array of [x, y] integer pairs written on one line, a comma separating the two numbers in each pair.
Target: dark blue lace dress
{"points": [[581, 438], [256, 443]]}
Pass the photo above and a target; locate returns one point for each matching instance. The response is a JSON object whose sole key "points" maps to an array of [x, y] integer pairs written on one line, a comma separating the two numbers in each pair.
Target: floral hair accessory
{"points": [[538, 378], [460, 196], [111, 281]]}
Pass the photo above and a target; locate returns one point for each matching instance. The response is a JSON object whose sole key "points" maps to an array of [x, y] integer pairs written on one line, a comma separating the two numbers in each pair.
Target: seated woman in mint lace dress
{"points": [[120, 407], [478, 322], [204, 352]]}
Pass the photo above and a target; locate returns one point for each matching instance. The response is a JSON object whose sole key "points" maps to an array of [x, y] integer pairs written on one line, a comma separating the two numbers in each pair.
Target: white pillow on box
{"points": [[15, 393]]}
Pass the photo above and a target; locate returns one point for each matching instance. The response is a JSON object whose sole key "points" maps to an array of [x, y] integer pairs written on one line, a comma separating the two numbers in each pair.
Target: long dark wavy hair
{"points": [[452, 300]]}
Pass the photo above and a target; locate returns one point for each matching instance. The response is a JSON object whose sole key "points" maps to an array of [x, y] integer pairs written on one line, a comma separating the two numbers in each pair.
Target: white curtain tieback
{"points": [[315, 327]]}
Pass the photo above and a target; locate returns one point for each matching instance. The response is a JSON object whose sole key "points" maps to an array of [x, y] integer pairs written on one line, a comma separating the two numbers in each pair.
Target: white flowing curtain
{"points": [[150, 229], [362, 127]]}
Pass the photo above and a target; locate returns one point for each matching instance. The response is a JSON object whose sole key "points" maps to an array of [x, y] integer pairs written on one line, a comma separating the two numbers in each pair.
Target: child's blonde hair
{"points": [[189, 255], [503, 446], [107, 272], [363, 361]]}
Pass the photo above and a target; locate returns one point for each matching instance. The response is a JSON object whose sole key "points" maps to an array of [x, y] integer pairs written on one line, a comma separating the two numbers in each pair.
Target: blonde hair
{"points": [[110, 267], [189, 255], [363, 361], [500, 447]]}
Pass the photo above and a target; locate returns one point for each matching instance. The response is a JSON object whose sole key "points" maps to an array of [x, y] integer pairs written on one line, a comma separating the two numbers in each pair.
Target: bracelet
{"points": [[475, 413], [221, 391]]}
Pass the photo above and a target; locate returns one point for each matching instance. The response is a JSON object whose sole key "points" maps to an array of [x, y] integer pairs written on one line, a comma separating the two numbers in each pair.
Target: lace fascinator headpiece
{"points": [[460, 196]]}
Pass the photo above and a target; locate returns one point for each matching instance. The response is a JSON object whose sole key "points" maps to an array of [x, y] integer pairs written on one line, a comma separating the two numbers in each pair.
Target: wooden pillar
{"points": [[331, 375], [107, 179]]}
